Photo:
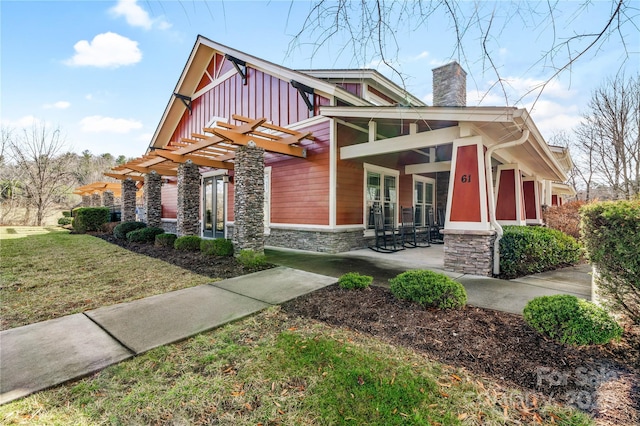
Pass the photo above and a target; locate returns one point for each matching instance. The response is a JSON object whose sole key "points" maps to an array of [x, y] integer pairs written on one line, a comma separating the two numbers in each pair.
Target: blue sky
{"points": [[103, 71]]}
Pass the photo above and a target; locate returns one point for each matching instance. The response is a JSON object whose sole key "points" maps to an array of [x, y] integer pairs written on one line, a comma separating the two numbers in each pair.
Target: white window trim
{"points": [[424, 179], [267, 200], [383, 171]]}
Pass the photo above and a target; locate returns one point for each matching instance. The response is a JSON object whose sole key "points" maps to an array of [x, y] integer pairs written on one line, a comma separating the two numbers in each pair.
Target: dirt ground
{"points": [[602, 380]]}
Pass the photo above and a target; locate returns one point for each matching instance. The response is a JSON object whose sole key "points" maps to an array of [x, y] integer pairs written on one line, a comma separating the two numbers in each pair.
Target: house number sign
{"points": [[465, 179]]}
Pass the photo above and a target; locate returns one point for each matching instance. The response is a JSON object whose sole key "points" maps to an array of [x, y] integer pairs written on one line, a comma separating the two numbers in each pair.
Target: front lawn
{"points": [[48, 273]]}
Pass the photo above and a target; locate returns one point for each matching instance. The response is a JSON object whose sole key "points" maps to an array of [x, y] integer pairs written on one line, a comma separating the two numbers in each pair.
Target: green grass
{"points": [[47, 273], [272, 369]]}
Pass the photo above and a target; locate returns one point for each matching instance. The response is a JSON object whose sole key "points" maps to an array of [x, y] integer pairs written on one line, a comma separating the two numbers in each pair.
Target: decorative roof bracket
{"points": [[305, 90], [237, 63], [186, 100]]}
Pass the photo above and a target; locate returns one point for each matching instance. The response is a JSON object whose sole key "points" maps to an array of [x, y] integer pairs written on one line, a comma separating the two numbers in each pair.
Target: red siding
{"points": [[465, 203], [350, 181], [262, 96], [299, 186], [506, 200], [169, 196]]}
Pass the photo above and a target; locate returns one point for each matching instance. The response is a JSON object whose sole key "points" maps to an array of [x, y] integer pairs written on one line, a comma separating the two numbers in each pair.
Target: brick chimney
{"points": [[449, 86]]}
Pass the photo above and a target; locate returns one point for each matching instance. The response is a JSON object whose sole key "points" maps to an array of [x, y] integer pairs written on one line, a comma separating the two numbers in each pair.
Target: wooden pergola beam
{"points": [[124, 177], [269, 126], [196, 159], [241, 139]]}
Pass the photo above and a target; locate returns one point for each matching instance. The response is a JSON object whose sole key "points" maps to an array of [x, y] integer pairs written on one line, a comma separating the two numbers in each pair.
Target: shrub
{"points": [[64, 221], [611, 235], [66, 213], [570, 320], [121, 231], [187, 243], [565, 218], [144, 235], [353, 280], [528, 250], [429, 289], [251, 259], [217, 247], [165, 240], [88, 219], [109, 227]]}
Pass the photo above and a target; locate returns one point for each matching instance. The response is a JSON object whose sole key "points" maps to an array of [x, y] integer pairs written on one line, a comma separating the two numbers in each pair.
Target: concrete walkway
{"points": [[38, 356], [484, 292], [41, 355]]}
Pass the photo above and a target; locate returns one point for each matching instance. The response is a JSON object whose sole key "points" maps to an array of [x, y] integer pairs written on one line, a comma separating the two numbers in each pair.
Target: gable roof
{"points": [[202, 52]]}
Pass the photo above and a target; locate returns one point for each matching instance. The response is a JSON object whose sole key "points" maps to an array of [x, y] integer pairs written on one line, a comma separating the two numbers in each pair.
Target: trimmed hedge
{"points": [[165, 240], [86, 219], [570, 320], [352, 280], [526, 250], [187, 243], [611, 235], [65, 221], [251, 259], [121, 231], [144, 235], [429, 289], [217, 247]]}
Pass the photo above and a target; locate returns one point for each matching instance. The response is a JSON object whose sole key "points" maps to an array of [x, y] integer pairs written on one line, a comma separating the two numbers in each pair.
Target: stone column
{"points": [[107, 198], [188, 222], [129, 200], [153, 198], [96, 199], [469, 252], [248, 231], [86, 201]]}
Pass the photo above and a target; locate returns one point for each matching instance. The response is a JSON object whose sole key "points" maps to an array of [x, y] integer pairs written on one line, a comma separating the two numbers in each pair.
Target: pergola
{"points": [[100, 188], [215, 147]]}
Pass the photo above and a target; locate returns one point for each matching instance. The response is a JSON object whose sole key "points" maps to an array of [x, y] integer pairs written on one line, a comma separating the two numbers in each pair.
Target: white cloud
{"points": [[136, 16], [107, 50], [145, 137], [57, 105], [89, 96], [100, 124], [22, 122], [421, 55]]}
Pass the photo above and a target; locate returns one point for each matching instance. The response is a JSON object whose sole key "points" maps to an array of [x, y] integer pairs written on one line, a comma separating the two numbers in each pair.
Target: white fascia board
{"points": [[401, 143], [540, 144], [441, 166], [462, 114]]}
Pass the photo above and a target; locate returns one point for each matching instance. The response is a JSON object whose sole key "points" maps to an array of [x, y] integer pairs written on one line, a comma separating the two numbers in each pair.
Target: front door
{"points": [[213, 207]]}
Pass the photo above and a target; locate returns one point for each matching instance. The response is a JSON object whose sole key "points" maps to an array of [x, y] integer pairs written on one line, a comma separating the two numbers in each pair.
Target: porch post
{"points": [[532, 192], [129, 200], [509, 197], [107, 198], [468, 237], [188, 222], [152, 198], [248, 232]]}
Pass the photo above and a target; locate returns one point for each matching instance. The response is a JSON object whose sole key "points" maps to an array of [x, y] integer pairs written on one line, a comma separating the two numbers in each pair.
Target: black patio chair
{"points": [[412, 235], [388, 239], [434, 229]]}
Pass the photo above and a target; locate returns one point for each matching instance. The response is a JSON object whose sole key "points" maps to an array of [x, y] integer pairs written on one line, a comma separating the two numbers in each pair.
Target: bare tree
{"points": [[609, 138], [38, 154], [367, 29]]}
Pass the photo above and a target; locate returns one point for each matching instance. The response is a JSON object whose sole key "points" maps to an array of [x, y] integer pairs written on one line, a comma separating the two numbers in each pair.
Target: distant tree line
{"points": [[38, 174]]}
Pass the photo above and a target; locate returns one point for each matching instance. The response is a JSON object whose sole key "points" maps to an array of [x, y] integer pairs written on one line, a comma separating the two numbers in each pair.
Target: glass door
{"points": [[423, 198], [213, 207]]}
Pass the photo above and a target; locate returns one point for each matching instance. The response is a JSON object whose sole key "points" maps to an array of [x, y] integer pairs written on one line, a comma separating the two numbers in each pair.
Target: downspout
{"points": [[492, 202]]}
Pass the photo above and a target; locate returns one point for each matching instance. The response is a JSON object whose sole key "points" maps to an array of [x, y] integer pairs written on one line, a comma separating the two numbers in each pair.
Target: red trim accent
{"points": [[465, 200]]}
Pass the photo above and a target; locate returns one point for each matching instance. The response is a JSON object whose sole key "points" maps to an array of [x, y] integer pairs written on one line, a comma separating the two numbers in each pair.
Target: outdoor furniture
{"points": [[434, 228], [412, 235], [387, 238]]}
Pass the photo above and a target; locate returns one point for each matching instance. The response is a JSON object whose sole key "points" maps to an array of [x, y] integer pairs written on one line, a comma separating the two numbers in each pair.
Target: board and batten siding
{"points": [[169, 195]]}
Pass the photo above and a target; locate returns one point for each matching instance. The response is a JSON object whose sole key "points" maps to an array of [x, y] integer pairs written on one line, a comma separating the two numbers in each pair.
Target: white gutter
{"points": [[492, 202]]}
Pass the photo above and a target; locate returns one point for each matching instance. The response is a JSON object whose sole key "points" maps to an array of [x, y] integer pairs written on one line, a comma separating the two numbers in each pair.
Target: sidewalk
{"points": [[41, 355]]}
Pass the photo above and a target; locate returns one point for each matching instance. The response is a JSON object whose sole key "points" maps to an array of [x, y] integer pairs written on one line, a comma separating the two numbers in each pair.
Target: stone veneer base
{"points": [[469, 252], [322, 241]]}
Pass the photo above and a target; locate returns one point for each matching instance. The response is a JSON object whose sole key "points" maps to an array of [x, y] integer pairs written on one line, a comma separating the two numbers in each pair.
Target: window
{"points": [[380, 188], [423, 196]]}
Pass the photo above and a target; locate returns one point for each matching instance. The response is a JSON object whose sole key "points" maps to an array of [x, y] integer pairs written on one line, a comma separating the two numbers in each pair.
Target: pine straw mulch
{"points": [[601, 380]]}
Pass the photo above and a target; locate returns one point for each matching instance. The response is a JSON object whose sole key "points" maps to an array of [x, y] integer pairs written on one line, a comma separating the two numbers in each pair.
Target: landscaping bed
{"points": [[601, 380]]}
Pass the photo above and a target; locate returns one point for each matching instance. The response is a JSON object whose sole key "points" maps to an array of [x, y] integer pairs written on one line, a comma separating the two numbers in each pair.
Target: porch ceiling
{"points": [[215, 147]]}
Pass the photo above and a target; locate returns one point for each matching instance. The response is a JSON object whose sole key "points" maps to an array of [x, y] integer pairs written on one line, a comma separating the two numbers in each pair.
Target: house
{"points": [[262, 154]]}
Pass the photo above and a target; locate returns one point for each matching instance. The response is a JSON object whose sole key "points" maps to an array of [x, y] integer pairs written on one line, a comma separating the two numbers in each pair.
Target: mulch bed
{"points": [[601, 380]]}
